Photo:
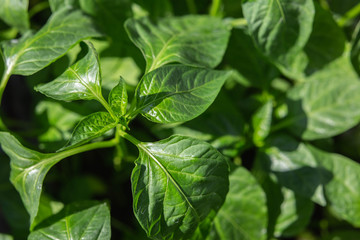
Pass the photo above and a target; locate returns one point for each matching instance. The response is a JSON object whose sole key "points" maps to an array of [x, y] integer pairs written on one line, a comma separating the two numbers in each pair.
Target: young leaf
{"points": [[64, 29], [83, 220], [176, 183], [118, 98], [241, 217], [323, 106], [177, 93], [280, 28], [261, 123], [90, 127], [316, 174], [191, 40], [15, 13], [28, 170], [80, 81]]}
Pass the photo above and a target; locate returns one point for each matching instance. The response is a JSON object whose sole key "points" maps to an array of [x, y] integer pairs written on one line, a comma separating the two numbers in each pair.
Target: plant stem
{"points": [[106, 106], [38, 8], [87, 147], [191, 6], [129, 137], [349, 15], [215, 7], [4, 80]]}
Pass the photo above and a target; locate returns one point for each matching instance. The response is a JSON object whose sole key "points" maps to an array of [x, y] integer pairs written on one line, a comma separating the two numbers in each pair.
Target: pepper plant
{"points": [[235, 120]]}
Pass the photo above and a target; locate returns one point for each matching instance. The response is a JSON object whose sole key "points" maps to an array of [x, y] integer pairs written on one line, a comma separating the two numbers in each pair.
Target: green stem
{"points": [[191, 6], [4, 80], [282, 125], [106, 106], [215, 7], [129, 137], [349, 15], [87, 147], [38, 8]]}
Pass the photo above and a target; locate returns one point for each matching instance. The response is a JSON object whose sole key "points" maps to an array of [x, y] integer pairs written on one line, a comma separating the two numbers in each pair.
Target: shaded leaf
{"points": [[289, 213], [241, 217], [31, 53], [28, 170], [318, 175], [280, 28], [176, 184], [191, 40], [15, 13], [323, 106], [82, 80], [55, 5], [177, 93], [80, 220], [355, 51], [252, 66], [90, 127], [118, 98]]}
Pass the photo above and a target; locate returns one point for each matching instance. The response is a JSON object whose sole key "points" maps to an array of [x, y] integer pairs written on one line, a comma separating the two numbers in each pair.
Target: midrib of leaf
{"points": [[97, 96], [281, 9], [132, 115], [178, 188], [163, 49]]}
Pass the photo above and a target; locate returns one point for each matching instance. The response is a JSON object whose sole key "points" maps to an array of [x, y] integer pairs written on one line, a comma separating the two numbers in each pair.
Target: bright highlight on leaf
{"points": [[177, 93], [83, 220], [31, 53], [176, 183], [191, 40]]}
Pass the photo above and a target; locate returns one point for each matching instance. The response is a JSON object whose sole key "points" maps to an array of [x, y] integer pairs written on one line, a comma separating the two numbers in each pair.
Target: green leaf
{"points": [[191, 40], [252, 66], [316, 174], [55, 5], [28, 170], [118, 98], [176, 183], [323, 106], [5, 237], [241, 217], [15, 13], [261, 123], [177, 93], [280, 28], [82, 80], [289, 213], [90, 127], [355, 51], [80, 220], [31, 53]]}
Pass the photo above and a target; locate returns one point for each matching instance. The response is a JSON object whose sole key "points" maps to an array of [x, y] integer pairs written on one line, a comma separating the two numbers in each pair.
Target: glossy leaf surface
{"points": [[241, 217], [28, 170], [324, 106], [191, 40], [176, 183], [80, 81], [15, 13], [280, 28], [78, 221], [91, 127], [31, 53], [316, 174], [118, 98], [177, 93]]}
